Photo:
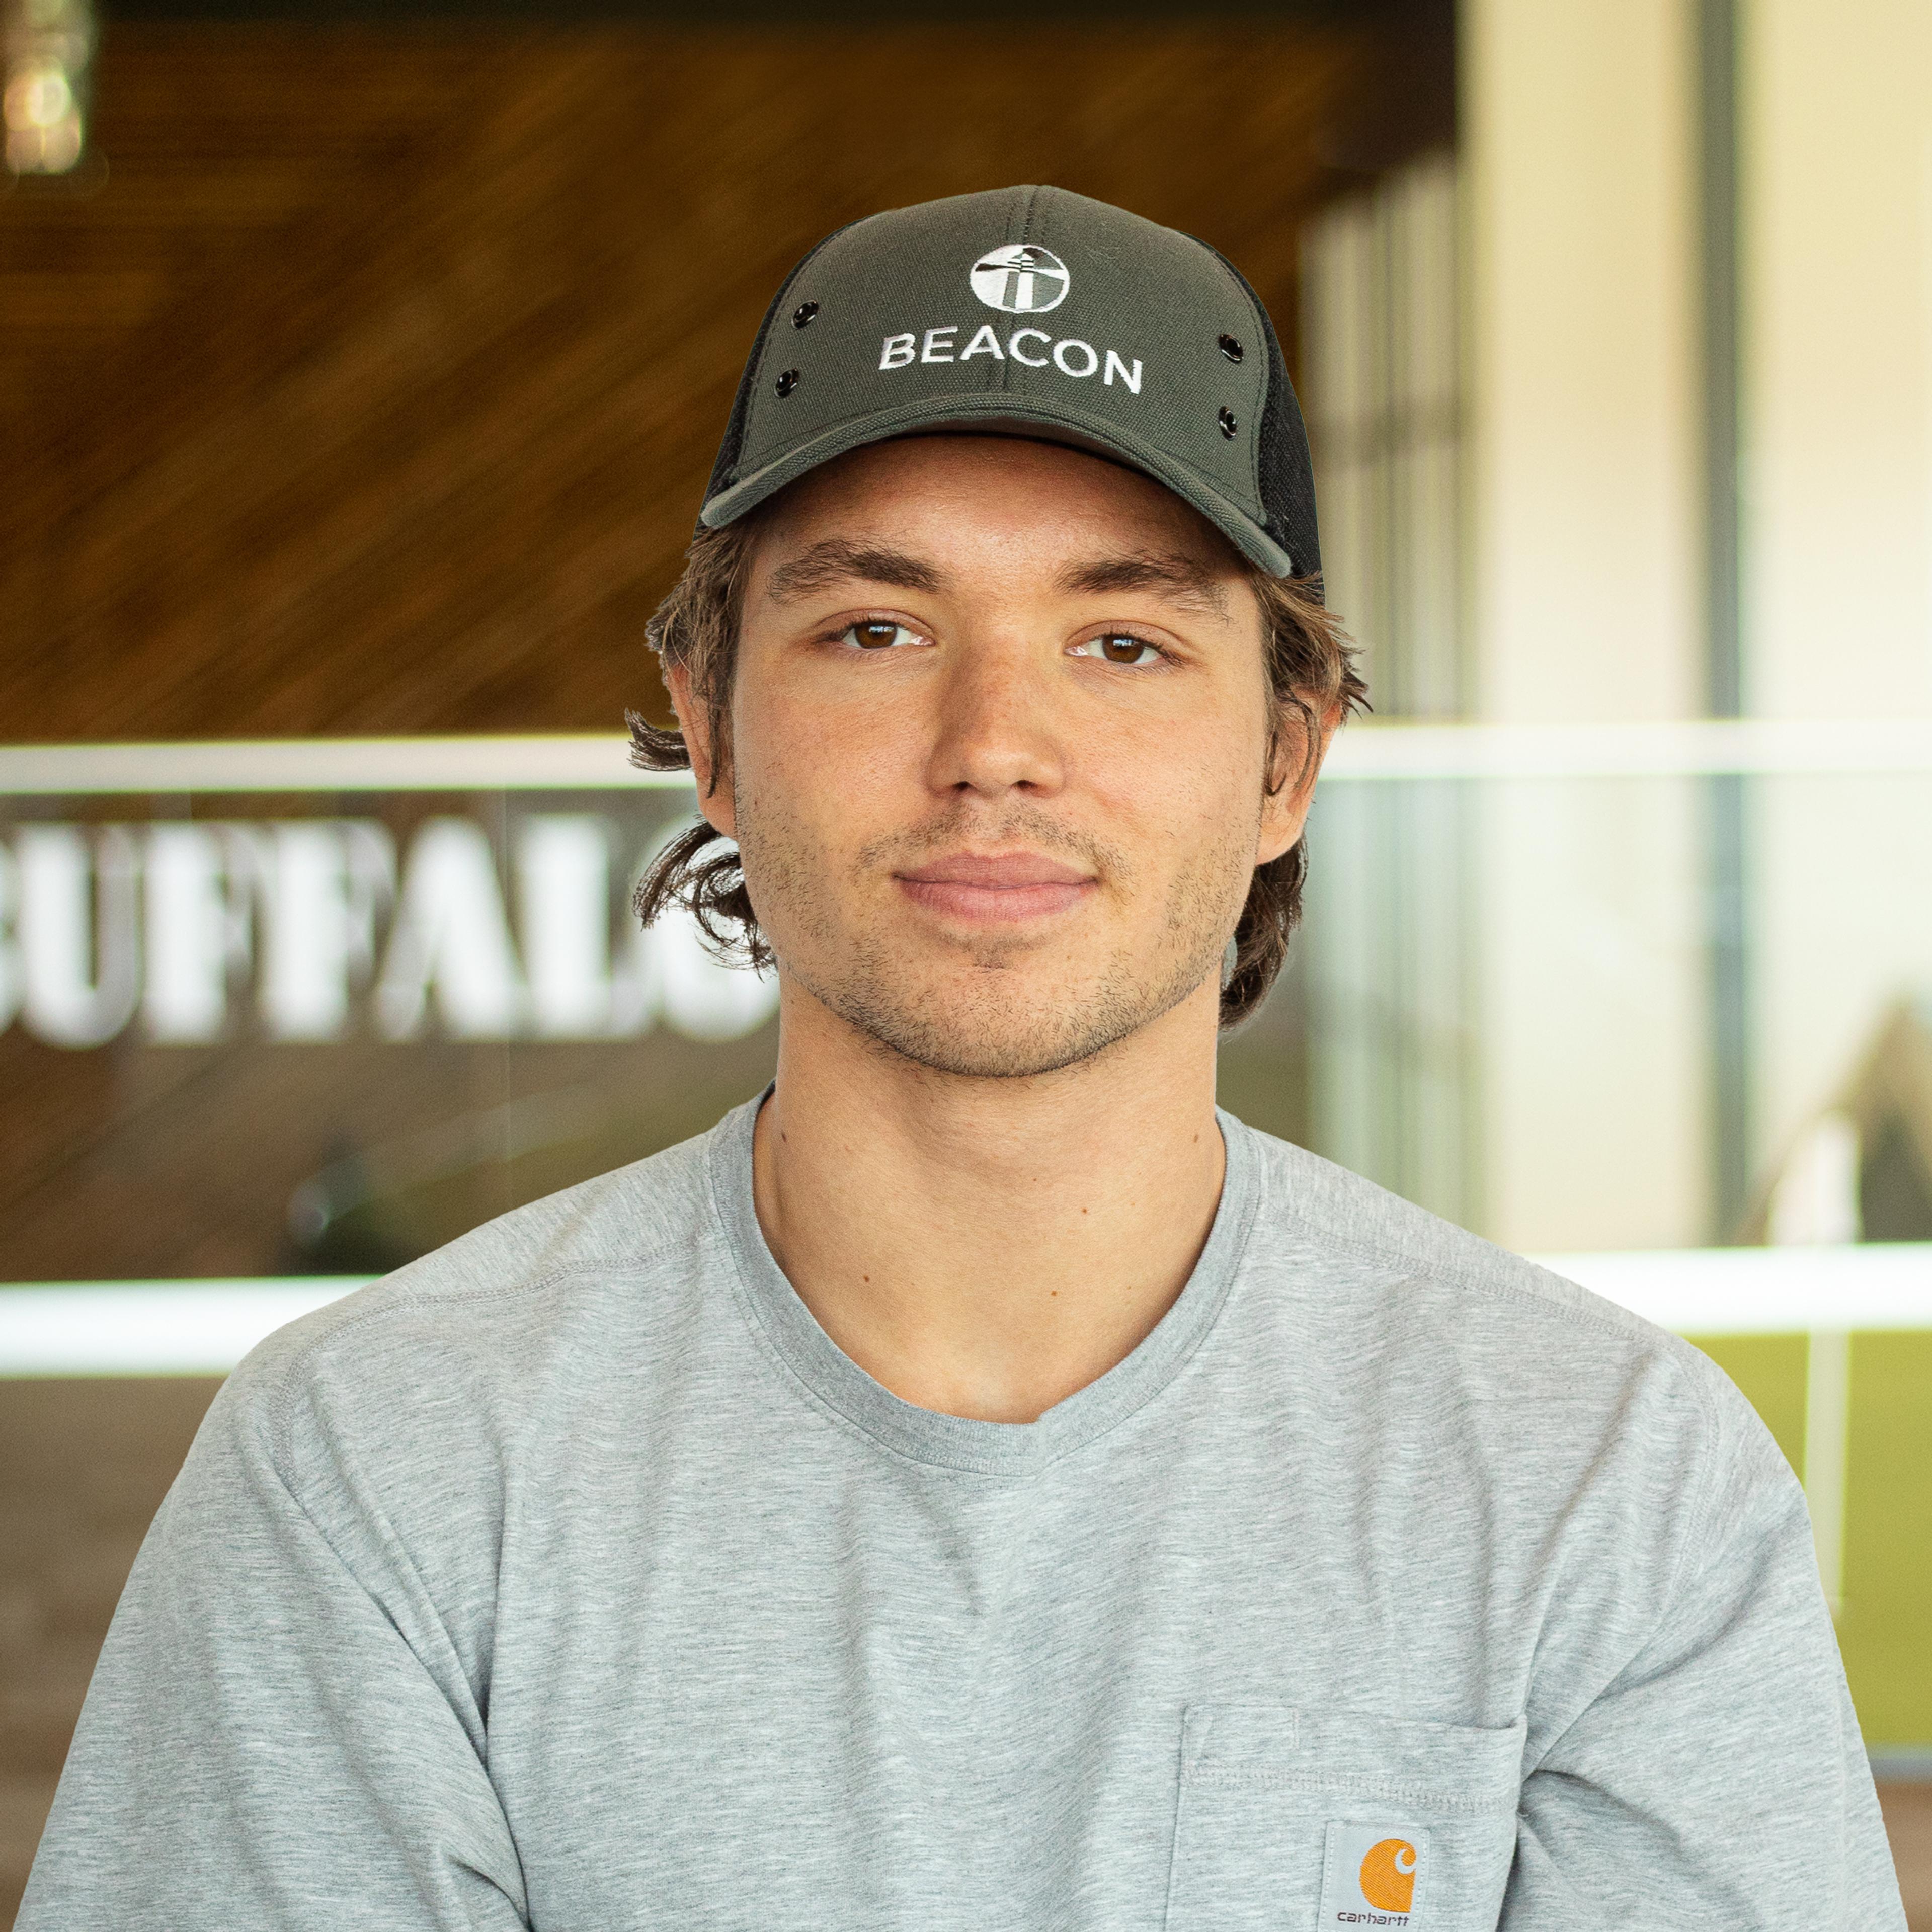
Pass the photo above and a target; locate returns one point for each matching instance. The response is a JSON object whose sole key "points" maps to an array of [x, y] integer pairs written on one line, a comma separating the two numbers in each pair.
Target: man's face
{"points": [[999, 734]]}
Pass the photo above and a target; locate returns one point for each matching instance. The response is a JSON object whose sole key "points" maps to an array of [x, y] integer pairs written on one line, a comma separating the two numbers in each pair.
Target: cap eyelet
{"points": [[804, 311], [788, 381], [1232, 348], [1225, 417]]}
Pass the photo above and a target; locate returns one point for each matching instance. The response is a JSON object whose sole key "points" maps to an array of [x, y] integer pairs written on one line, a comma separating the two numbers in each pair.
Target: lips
{"points": [[997, 887]]}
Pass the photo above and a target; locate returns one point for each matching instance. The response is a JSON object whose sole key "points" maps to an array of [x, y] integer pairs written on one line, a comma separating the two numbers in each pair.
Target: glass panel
{"points": [[324, 1034], [313, 1034], [250, 1035]]}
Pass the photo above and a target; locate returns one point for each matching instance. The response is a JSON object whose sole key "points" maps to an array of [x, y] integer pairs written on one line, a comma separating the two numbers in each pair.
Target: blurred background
{"points": [[360, 371]]}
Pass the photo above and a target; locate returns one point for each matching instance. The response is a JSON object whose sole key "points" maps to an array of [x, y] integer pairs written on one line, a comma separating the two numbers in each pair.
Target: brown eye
{"points": [[876, 636], [1123, 650]]}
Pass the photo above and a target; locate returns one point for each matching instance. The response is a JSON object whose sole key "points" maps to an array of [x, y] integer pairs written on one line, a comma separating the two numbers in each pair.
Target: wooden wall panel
{"points": [[411, 431], [205, 148]]}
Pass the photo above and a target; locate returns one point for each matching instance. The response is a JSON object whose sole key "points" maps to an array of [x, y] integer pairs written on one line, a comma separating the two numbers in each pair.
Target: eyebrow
{"points": [[838, 560], [1185, 580]]}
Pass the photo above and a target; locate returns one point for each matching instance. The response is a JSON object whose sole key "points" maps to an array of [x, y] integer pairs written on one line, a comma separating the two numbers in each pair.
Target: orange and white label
{"points": [[1373, 1875]]}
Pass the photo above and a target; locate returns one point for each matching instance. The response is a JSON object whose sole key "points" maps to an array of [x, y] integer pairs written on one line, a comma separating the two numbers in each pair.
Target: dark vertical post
{"points": [[1725, 795]]}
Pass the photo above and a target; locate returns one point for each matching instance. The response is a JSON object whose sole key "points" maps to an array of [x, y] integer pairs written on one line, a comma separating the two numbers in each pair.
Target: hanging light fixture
{"points": [[48, 44]]}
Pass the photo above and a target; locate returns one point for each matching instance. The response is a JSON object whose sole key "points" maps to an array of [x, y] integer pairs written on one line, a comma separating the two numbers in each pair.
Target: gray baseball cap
{"points": [[1033, 312]]}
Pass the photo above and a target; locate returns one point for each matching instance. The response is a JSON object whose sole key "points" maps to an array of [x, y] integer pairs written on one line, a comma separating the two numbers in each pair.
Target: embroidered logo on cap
{"points": [[1022, 278], [1370, 1875]]}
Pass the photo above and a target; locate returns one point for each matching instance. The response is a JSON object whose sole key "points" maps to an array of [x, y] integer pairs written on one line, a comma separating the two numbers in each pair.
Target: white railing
{"points": [[205, 1327], [150, 1327], [597, 761]]}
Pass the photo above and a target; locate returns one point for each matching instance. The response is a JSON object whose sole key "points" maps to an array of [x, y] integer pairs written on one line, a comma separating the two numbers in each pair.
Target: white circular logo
{"points": [[1022, 278]]}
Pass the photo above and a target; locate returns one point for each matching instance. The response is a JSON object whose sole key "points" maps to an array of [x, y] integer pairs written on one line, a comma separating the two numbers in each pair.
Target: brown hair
{"points": [[1311, 667]]}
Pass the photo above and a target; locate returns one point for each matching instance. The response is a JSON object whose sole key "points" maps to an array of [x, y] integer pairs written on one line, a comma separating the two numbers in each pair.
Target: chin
{"points": [[1002, 1028]]}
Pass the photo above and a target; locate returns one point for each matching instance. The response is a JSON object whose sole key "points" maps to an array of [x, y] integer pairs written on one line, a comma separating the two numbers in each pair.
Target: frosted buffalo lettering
{"points": [[177, 923], [72, 964]]}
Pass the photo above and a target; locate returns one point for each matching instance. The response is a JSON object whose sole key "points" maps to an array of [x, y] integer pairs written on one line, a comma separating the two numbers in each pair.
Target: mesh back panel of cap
{"points": [[1287, 475]]}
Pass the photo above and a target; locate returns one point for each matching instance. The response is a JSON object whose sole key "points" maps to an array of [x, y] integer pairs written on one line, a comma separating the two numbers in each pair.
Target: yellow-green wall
{"points": [[1885, 1627]]}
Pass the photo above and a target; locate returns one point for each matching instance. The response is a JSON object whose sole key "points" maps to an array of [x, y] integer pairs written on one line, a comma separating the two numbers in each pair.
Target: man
{"points": [[978, 1485]]}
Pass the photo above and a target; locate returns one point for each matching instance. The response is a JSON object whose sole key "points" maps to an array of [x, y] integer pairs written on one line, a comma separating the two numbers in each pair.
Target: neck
{"points": [[982, 1247]]}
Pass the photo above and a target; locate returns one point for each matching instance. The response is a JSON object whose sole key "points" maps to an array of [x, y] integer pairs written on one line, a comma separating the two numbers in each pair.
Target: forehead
{"points": [[967, 500]]}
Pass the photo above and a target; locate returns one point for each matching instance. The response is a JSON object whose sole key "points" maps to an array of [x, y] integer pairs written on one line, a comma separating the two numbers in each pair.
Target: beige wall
{"points": [[1580, 131], [1836, 103], [1580, 142], [1579, 135]]}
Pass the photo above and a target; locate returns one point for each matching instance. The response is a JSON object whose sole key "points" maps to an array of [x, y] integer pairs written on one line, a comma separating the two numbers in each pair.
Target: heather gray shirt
{"points": [[573, 1578]]}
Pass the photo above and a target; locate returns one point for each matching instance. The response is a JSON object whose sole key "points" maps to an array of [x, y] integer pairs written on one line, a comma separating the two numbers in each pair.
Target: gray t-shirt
{"points": [[573, 1578]]}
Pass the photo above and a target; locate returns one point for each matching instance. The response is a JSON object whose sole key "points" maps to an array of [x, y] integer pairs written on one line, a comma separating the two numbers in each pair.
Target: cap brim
{"points": [[1011, 415]]}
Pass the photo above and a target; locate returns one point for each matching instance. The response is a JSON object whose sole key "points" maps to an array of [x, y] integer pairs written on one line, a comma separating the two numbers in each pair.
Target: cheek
{"points": [[808, 756], [824, 776], [1190, 784], [828, 749]]}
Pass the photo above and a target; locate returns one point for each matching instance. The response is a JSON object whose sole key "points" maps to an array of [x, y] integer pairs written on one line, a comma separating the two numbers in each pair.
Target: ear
{"points": [[1296, 766], [714, 799]]}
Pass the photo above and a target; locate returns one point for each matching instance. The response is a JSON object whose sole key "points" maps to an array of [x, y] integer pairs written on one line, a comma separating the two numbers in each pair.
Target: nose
{"points": [[995, 729]]}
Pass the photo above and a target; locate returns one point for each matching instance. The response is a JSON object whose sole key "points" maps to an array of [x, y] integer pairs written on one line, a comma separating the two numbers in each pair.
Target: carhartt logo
{"points": [[1388, 1875], [1022, 278], [1370, 1875]]}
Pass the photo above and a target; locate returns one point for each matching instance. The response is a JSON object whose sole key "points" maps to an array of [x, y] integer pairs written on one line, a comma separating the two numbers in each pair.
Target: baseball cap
{"points": [[1034, 312]]}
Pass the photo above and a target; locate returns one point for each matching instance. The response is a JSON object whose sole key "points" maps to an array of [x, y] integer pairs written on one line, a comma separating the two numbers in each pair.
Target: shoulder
{"points": [[468, 1338], [1604, 1459], [1374, 1241], [1464, 1318]]}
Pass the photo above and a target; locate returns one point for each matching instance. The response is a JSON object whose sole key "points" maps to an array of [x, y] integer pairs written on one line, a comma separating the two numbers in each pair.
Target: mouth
{"points": [[995, 888]]}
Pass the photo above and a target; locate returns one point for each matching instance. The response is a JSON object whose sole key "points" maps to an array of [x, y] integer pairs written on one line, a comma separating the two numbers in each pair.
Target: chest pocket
{"points": [[1285, 1814]]}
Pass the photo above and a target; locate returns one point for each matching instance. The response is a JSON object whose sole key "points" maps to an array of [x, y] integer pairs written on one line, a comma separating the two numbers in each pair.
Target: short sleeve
{"points": [[1719, 1780], [272, 1739]]}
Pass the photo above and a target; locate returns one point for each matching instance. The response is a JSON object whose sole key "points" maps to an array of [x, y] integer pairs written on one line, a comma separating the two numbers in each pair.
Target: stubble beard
{"points": [[970, 1020]]}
